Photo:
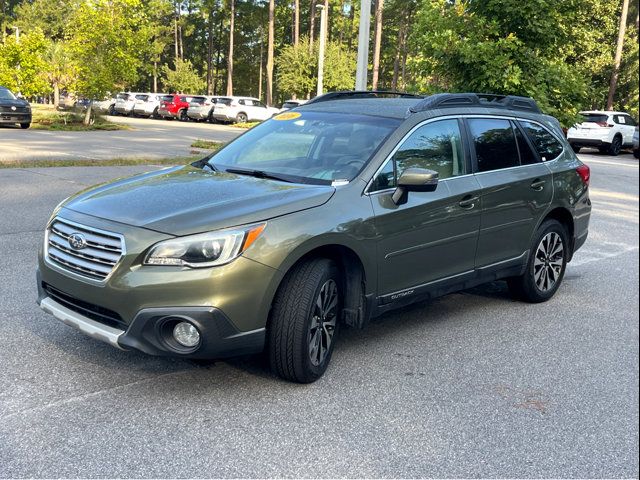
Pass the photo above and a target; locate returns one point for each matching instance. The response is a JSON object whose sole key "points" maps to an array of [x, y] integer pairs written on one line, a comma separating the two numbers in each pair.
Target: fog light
{"points": [[186, 334]]}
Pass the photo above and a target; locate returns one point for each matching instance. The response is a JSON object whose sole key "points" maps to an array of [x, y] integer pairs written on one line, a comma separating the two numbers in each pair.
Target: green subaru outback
{"points": [[332, 213]]}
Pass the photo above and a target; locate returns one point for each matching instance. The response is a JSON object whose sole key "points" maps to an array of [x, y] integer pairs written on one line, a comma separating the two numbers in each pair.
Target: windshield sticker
{"points": [[287, 116]]}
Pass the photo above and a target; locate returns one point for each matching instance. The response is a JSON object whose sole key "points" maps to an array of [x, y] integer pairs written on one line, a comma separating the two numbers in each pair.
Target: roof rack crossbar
{"points": [[351, 94], [487, 100]]}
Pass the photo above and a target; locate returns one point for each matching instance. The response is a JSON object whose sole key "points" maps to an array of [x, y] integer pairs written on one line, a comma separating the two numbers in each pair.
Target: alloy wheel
{"points": [[548, 261], [323, 322]]}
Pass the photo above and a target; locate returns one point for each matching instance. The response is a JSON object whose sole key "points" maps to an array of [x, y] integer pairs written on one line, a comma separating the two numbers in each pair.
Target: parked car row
{"points": [[227, 109]]}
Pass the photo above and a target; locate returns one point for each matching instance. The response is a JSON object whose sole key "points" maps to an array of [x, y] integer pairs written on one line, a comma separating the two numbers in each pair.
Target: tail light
{"points": [[585, 173]]}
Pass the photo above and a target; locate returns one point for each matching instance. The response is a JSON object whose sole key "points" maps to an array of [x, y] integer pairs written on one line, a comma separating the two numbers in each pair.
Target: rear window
{"points": [[224, 101], [142, 97], [198, 100], [594, 117], [123, 96], [167, 98], [290, 104], [546, 144], [495, 144]]}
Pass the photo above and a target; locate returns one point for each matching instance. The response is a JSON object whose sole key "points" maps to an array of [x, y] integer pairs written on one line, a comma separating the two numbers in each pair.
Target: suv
{"points": [[13, 109], [125, 101], [242, 110], [335, 213], [201, 108], [609, 132], [174, 106], [147, 104]]}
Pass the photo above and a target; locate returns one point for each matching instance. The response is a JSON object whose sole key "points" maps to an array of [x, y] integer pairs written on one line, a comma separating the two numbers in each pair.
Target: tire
{"points": [[25, 125], [299, 348], [155, 113], [210, 118], [182, 116], [544, 272], [112, 110], [636, 153], [242, 118], [575, 148], [615, 147]]}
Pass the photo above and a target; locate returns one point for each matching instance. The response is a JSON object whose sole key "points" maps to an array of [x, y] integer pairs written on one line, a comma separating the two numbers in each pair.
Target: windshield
{"points": [[317, 146], [6, 94]]}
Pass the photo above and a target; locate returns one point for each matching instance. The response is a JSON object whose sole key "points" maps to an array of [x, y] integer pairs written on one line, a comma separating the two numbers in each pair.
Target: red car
{"points": [[174, 106]]}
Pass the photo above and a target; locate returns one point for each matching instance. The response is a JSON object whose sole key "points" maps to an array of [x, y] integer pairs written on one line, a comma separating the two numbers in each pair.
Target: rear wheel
{"points": [[112, 110], [182, 115], [210, 117], [155, 113], [546, 265], [241, 118], [615, 147], [304, 321]]}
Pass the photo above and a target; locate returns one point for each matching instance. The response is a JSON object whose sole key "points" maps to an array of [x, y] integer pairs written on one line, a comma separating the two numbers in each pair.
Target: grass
{"points": [[206, 144], [45, 117], [99, 163]]}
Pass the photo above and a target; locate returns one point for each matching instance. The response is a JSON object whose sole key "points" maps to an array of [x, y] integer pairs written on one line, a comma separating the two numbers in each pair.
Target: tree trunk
{"points": [[181, 42], [210, 53], [260, 69], [56, 94], [272, 7], [312, 23], [230, 57], [87, 116], [377, 45], [399, 45], [155, 77], [296, 23], [618, 56], [352, 17], [175, 38], [218, 55]]}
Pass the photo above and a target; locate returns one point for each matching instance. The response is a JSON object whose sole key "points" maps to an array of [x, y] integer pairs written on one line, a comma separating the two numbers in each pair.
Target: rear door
{"points": [[433, 236], [516, 187]]}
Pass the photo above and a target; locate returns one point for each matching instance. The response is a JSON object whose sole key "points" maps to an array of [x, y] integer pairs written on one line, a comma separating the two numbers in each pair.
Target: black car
{"points": [[13, 109]]}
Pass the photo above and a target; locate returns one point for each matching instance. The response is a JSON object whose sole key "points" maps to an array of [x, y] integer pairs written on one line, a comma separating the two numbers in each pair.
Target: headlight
{"points": [[205, 249]]}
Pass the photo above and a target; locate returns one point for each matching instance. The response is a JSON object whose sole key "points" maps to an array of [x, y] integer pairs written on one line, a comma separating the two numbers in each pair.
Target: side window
{"points": [[385, 179], [619, 119], [546, 144], [259, 104], [495, 143], [527, 157], [241, 102], [436, 146]]}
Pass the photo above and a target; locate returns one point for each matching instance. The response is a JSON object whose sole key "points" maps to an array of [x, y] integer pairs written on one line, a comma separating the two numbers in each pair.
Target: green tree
{"points": [[60, 70], [108, 41], [50, 16], [183, 78], [298, 68], [22, 65]]}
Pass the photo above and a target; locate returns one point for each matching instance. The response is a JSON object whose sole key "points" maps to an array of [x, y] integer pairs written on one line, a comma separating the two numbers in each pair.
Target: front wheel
{"points": [[25, 125], [546, 266], [304, 321]]}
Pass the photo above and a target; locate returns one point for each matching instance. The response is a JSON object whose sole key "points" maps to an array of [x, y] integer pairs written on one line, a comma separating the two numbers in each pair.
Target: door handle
{"points": [[468, 202], [538, 184]]}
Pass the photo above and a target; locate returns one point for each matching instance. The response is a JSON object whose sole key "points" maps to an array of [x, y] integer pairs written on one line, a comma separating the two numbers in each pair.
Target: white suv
{"points": [[609, 132], [147, 104], [241, 110]]}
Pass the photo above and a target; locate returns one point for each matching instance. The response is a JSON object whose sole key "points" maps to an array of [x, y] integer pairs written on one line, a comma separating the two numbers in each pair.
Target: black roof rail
{"points": [[486, 100], [351, 94]]}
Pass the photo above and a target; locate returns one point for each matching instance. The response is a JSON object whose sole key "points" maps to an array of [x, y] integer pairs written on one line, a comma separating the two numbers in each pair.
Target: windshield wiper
{"points": [[260, 174]]}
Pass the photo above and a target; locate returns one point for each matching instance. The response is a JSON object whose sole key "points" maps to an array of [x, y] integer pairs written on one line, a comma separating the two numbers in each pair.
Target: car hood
{"points": [[186, 200]]}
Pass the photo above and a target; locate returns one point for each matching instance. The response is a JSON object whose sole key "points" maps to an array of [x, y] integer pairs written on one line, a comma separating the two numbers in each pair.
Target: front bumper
{"points": [[229, 304], [14, 117]]}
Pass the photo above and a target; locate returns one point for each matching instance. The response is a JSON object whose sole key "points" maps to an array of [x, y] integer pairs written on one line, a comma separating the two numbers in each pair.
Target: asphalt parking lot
{"points": [[470, 385], [149, 139]]}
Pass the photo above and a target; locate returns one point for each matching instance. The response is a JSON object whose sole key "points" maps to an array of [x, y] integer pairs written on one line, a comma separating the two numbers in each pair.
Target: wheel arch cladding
{"points": [[353, 279], [565, 218]]}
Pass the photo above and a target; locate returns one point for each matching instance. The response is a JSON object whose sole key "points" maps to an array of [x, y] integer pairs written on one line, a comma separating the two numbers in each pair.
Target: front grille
{"points": [[7, 109], [94, 312], [96, 260]]}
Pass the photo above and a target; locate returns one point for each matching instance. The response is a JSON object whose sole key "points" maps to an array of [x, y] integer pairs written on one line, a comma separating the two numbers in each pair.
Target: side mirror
{"points": [[414, 180]]}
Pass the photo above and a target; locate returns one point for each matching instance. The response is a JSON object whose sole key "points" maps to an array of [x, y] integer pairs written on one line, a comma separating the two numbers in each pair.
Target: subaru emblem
{"points": [[77, 241]]}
